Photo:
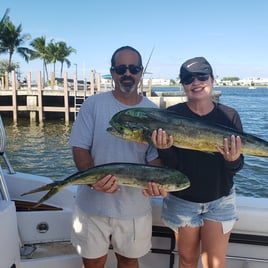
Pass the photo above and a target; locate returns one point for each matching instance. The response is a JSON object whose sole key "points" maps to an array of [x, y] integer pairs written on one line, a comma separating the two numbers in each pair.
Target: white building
{"points": [[156, 82]]}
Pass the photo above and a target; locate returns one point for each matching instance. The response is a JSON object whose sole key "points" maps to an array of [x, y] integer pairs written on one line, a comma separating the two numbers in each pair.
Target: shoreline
{"points": [[215, 86]]}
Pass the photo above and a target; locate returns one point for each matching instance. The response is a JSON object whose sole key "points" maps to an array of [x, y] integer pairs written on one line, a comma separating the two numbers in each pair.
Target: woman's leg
{"points": [[188, 244], [214, 244]]}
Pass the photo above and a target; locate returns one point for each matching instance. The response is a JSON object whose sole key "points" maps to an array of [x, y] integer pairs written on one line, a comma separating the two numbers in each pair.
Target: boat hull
{"points": [[48, 231]]}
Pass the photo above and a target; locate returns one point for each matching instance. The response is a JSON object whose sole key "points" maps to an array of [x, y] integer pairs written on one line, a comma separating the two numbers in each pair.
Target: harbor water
{"points": [[43, 149]]}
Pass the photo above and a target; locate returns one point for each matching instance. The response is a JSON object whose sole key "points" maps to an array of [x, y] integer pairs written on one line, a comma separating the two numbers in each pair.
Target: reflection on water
{"points": [[40, 149], [43, 149]]}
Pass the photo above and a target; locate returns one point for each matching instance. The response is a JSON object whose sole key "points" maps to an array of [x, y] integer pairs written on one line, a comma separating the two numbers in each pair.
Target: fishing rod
{"points": [[144, 70], [148, 62]]}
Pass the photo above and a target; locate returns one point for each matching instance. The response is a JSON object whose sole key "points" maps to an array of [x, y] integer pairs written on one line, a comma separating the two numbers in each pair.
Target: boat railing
{"points": [[3, 187], [3, 140]]}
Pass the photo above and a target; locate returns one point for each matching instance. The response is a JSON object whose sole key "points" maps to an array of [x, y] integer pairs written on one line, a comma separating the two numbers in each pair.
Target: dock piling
{"points": [[63, 95]]}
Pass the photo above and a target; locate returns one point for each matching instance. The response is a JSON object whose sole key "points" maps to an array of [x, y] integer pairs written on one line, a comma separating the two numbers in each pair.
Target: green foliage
{"points": [[51, 52], [230, 79], [12, 41], [172, 82], [4, 67]]}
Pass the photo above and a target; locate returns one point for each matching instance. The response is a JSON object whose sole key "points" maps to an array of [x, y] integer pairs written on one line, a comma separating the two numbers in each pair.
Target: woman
{"points": [[203, 215]]}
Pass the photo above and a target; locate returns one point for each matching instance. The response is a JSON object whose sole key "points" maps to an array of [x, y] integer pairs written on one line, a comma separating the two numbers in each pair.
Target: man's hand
{"points": [[107, 184]]}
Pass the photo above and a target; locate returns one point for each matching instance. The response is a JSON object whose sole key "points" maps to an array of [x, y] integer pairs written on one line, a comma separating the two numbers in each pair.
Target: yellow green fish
{"points": [[137, 125], [127, 174]]}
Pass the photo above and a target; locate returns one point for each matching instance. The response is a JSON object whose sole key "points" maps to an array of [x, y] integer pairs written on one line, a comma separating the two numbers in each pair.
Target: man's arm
{"points": [[83, 161], [82, 158], [156, 162]]}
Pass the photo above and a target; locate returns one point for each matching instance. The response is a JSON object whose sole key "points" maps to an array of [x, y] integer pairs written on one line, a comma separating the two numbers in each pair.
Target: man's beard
{"points": [[127, 89], [127, 84]]}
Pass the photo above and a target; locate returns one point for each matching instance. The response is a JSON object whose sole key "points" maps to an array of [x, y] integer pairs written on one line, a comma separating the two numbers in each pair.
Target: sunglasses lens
{"points": [[190, 79], [121, 69], [134, 69], [203, 77]]}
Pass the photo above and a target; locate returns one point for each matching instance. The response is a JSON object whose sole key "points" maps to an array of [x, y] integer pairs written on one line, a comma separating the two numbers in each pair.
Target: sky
{"points": [[231, 34]]}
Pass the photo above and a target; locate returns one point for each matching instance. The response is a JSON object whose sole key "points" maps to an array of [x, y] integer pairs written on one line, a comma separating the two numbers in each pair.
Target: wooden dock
{"points": [[36, 100], [64, 99]]}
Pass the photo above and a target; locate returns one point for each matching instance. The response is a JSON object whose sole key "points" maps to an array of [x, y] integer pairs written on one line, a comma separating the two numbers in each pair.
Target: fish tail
{"points": [[42, 188], [51, 192]]}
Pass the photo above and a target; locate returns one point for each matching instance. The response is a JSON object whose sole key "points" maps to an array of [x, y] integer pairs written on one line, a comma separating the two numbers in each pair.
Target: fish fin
{"points": [[51, 192], [52, 189], [149, 141], [41, 189], [147, 136]]}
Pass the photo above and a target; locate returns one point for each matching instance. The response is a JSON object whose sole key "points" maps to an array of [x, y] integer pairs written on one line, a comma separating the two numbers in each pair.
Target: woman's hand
{"points": [[154, 189], [231, 150], [107, 184], [161, 140]]}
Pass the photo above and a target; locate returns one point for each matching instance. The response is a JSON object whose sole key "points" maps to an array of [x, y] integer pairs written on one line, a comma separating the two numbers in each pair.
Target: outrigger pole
{"points": [[144, 70]]}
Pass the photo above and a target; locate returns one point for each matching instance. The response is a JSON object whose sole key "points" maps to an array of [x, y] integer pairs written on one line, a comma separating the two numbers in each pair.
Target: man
{"points": [[105, 213]]}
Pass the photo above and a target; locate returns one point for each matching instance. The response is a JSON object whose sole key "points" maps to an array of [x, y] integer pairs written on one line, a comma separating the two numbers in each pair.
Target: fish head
{"points": [[132, 115], [127, 134], [130, 124]]}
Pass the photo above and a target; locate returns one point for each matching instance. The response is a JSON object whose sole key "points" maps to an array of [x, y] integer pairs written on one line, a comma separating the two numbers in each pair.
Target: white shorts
{"points": [[93, 235]]}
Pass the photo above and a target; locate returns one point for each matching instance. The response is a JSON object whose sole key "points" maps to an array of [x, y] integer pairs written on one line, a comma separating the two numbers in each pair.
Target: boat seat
{"points": [[254, 231], [257, 208]]}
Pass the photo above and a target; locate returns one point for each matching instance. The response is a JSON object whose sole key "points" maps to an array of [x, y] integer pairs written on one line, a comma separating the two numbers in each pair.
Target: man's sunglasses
{"points": [[190, 79], [121, 69]]}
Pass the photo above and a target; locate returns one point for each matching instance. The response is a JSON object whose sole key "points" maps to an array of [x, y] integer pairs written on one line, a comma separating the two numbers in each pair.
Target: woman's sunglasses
{"points": [[121, 69], [190, 79]]}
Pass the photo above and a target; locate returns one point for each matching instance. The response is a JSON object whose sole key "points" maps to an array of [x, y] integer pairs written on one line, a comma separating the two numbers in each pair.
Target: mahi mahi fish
{"points": [[127, 174], [137, 125]]}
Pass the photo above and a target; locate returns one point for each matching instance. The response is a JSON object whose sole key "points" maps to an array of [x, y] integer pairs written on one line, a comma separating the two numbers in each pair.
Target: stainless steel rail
{"points": [[3, 140]]}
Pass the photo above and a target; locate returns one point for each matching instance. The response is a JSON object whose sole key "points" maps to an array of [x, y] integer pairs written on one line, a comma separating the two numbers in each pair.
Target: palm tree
{"points": [[2, 21], [51, 53], [59, 52], [41, 52], [64, 52], [12, 40], [3, 64]]}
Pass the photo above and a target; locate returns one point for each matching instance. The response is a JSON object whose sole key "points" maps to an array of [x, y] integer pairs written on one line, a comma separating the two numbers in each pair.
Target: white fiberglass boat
{"points": [[40, 238]]}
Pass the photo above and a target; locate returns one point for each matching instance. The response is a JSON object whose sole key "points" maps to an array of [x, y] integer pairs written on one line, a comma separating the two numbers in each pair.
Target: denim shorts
{"points": [[178, 212]]}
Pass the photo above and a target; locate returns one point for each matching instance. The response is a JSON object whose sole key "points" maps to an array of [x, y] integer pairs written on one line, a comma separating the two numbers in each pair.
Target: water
{"points": [[251, 104], [43, 149], [40, 149]]}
